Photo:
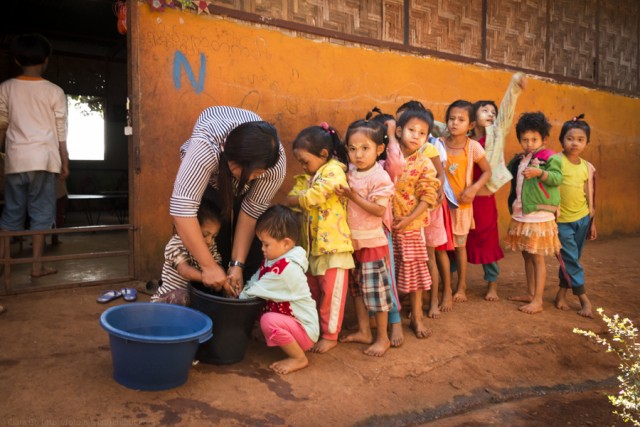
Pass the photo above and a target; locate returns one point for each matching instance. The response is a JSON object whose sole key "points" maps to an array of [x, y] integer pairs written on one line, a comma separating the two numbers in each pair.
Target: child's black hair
{"points": [[479, 104], [208, 211], [536, 122], [463, 104], [410, 105], [575, 123], [279, 222], [424, 115], [373, 127], [30, 49], [314, 139]]}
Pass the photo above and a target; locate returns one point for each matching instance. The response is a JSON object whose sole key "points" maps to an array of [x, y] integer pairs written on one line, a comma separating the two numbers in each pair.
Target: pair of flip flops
{"points": [[129, 295]]}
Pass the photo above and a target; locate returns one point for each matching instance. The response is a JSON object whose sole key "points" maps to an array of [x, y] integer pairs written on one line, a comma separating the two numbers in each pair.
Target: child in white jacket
{"points": [[290, 320]]}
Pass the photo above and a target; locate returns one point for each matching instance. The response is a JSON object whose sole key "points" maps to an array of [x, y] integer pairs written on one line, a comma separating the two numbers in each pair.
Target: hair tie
{"points": [[325, 126], [579, 117]]}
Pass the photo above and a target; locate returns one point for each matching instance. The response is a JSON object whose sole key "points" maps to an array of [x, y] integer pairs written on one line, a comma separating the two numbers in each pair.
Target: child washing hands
{"points": [[290, 319]]}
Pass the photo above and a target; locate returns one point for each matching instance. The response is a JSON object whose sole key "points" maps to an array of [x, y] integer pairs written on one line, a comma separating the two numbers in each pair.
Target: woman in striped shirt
{"points": [[235, 159]]}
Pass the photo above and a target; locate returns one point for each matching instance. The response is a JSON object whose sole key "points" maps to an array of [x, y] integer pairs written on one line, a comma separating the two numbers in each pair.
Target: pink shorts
{"points": [[281, 329], [435, 233]]}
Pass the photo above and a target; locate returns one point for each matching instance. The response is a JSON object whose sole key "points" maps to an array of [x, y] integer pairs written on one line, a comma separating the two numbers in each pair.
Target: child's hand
{"points": [[440, 198], [391, 127], [343, 191], [521, 80], [593, 233], [400, 222], [468, 194], [532, 172], [230, 289]]}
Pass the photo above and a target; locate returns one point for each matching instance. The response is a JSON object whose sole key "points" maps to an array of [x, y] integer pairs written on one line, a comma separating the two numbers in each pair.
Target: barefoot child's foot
{"points": [[434, 313], [359, 336], [561, 299], [460, 296], [323, 345], [397, 336], [492, 292], [447, 303], [586, 310], [290, 364], [531, 308], [420, 329], [378, 348]]}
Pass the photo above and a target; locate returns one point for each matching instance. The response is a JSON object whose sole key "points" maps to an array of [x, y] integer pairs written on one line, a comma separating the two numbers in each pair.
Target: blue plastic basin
{"points": [[153, 345]]}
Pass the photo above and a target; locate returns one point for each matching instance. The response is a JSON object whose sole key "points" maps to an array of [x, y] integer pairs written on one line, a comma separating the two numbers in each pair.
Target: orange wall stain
{"points": [[294, 82]]}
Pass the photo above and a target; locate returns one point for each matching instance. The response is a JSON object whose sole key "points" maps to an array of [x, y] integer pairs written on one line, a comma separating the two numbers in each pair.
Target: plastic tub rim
{"points": [[201, 336], [227, 300]]}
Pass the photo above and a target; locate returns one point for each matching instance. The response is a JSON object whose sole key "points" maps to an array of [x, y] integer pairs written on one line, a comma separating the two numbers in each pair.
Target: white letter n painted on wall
{"points": [[180, 62]]}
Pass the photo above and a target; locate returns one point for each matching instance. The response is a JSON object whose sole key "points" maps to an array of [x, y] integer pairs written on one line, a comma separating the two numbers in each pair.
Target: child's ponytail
{"points": [[338, 150]]}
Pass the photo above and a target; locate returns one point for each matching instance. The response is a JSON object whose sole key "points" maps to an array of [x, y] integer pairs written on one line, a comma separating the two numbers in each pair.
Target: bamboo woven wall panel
{"points": [[516, 33], [393, 21], [354, 17], [619, 44], [572, 39], [450, 26]]}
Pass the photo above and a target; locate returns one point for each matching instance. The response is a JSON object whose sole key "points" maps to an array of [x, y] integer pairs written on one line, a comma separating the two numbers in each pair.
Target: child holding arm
{"points": [[323, 157], [533, 203], [462, 153], [369, 192]]}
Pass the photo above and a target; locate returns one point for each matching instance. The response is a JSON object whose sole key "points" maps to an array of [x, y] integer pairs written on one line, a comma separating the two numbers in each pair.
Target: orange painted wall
{"points": [[294, 82]]}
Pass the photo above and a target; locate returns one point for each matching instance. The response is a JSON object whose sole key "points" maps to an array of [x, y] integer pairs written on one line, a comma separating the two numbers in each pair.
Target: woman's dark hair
{"points": [[314, 139], [535, 122], [463, 104], [374, 128], [575, 123], [280, 222], [208, 211], [479, 104], [424, 115], [30, 49], [251, 145]]}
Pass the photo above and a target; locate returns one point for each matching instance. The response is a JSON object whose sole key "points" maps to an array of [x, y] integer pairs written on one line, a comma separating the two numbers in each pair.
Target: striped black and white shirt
{"points": [[175, 254], [200, 165]]}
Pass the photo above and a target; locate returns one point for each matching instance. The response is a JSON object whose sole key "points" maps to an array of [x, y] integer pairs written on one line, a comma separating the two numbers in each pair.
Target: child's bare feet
{"points": [[363, 337], [378, 348], [397, 336], [586, 310], [447, 303], [290, 364], [460, 296], [561, 300], [323, 345], [531, 308], [492, 292], [420, 329], [434, 313]]}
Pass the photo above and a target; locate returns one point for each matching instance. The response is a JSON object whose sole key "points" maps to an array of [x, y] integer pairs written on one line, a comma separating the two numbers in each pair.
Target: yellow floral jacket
{"points": [[417, 183], [324, 213]]}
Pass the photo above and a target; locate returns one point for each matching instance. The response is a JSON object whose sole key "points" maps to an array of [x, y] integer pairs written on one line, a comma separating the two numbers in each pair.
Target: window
{"points": [[85, 138]]}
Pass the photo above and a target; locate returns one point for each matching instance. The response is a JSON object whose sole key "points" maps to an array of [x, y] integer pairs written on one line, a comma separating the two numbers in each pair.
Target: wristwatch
{"points": [[234, 263]]}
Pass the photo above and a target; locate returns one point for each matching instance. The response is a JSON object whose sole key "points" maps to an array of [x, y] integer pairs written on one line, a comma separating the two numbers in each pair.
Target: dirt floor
{"points": [[486, 364]]}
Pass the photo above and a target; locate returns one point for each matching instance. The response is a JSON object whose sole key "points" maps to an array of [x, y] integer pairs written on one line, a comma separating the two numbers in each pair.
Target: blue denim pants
{"points": [[572, 237]]}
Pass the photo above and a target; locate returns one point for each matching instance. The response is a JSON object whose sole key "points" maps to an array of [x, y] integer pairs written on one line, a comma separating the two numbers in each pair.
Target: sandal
{"points": [[129, 294], [108, 296]]}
